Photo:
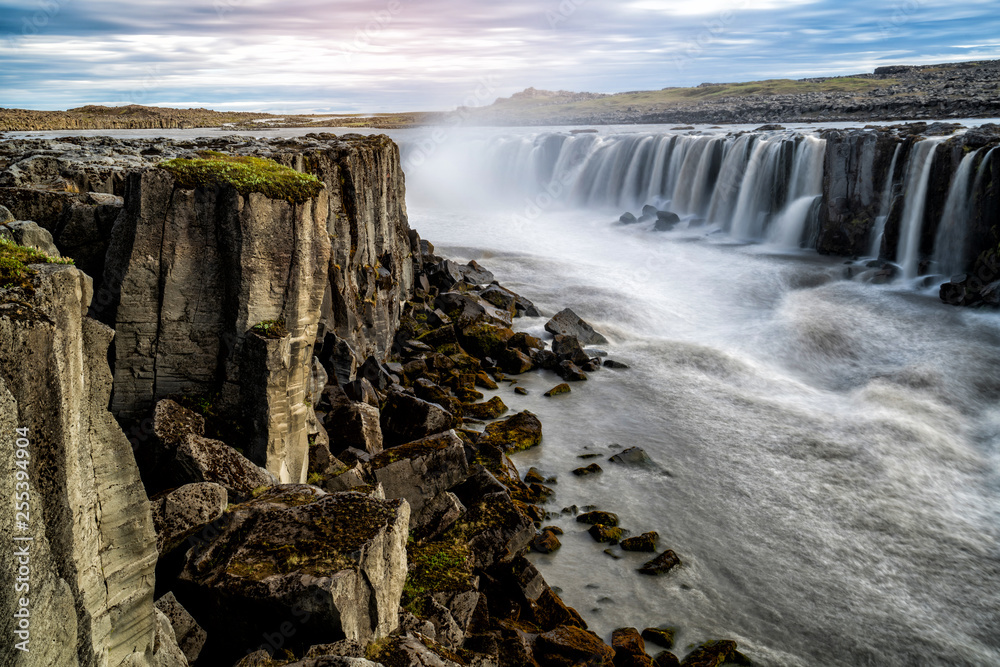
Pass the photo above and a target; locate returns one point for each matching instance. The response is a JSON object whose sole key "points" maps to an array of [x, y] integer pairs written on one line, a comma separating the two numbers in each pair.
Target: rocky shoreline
{"points": [[257, 430]]}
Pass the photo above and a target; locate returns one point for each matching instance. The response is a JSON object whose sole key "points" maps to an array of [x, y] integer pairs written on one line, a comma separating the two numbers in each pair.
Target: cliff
{"points": [[93, 549]]}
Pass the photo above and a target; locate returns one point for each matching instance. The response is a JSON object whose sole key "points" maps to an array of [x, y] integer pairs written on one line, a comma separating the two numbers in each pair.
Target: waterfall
{"points": [[884, 206], [949, 244], [789, 227], [917, 177]]}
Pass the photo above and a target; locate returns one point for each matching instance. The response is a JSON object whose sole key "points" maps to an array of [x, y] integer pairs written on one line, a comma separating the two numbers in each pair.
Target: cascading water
{"points": [[917, 178], [806, 186], [878, 231], [949, 243]]}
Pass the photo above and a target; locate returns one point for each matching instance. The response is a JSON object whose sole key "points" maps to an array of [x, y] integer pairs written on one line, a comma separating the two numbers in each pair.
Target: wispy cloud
{"points": [[307, 55]]}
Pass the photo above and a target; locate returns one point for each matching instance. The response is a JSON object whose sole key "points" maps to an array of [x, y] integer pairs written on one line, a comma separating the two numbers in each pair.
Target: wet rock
{"points": [[189, 635], [513, 434], [570, 372], [421, 470], [330, 564], [611, 363], [666, 659], [180, 513], [627, 219], [568, 646], [591, 365], [407, 418], [597, 517], [666, 221], [514, 362], [710, 654], [492, 409], [649, 210], [520, 391], [568, 323], [592, 469], [558, 390], [660, 636], [662, 564], [200, 459], [569, 348], [485, 381], [609, 534], [500, 297], [546, 542], [632, 456], [483, 339], [534, 476], [644, 542], [627, 642], [550, 612]]}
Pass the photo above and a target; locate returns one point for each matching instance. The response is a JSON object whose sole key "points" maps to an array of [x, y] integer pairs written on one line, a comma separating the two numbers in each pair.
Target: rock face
{"points": [[199, 270], [332, 566], [94, 550]]}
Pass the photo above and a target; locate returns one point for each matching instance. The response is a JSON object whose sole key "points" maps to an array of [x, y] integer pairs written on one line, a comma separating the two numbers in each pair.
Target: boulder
{"points": [[632, 456], [606, 534], [660, 636], [598, 517], [611, 363], [5, 215], [568, 323], [570, 646], [513, 434], [372, 371], [411, 651], [569, 348], [332, 565], [662, 564], [546, 542], [190, 636], [30, 234], [407, 418], [644, 542], [558, 390], [166, 653], [200, 459], [180, 513], [630, 649], [421, 470], [491, 409], [361, 391], [628, 219], [172, 423], [665, 221], [515, 362], [592, 469], [483, 339], [711, 654], [351, 423], [649, 210], [495, 530], [666, 659]]}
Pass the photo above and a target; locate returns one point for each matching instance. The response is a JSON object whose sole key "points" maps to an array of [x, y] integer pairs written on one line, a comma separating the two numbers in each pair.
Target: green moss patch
{"points": [[270, 329], [15, 261], [246, 174], [435, 568]]}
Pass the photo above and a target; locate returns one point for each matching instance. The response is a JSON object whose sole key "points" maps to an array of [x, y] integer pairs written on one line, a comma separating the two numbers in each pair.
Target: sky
{"points": [[347, 56]]}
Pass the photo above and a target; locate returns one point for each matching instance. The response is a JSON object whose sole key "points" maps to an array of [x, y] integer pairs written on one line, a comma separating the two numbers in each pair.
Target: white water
{"points": [[878, 230], [826, 450], [949, 243], [917, 177]]}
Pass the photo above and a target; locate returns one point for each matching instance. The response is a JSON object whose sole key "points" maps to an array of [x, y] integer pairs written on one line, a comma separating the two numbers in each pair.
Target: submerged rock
{"points": [[660, 636], [558, 390], [644, 542], [662, 564], [632, 456], [592, 469], [597, 517]]}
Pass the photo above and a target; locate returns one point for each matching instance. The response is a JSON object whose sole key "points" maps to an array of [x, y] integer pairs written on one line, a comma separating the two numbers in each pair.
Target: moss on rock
{"points": [[246, 174], [16, 261], [514, 434]]}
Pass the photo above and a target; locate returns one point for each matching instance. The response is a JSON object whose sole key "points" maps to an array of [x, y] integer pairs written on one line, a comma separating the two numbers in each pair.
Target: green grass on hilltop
{"points": [[246, 174]]}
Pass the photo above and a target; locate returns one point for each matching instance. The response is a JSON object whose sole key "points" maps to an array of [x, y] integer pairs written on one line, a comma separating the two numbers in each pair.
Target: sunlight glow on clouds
{"points": [[382, 55]]}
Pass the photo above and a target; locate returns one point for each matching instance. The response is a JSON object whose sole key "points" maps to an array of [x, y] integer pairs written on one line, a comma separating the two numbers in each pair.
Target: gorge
{"points": [[818, 430]]}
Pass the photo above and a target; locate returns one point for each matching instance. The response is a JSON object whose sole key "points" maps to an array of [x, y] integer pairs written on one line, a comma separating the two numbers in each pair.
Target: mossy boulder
{"points": [[513, 434], [436, 567], [598, 517], [332, 564], [483, 339], [558, 390], [496, 529], [606, 534], [546, 542], [711, 654], [586, 471], [660, 636], [644, 542], [200, 459], [568, 646], [491, 409], [412, 650], [514, 362], [407, 418]]}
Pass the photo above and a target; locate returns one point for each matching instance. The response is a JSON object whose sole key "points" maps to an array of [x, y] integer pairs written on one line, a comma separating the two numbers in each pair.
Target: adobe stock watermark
{"points": [[38, 21], [562, 13], [426, 147], [21, 556], [902, 13], [151, 80], [365, 36]]}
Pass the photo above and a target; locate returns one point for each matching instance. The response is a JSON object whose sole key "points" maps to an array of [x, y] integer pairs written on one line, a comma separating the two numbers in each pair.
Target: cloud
{"points": [[304, 55]]}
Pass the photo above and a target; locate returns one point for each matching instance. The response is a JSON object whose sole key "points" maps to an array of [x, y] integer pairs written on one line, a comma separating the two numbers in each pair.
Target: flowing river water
{"points": [[825, 451]]}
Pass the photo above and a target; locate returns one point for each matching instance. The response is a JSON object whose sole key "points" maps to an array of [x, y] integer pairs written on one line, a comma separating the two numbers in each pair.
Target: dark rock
{"points": [[569, 348], [558, 390], [665, 221], [515, 362], [598, 517], [592, 469], [666, 659], [483, 339], [610, 534], [662, 564], [361, 391], [502, 298], [591, 365], [545, 542], [569, 646], [350, 424], [610, 363], [180, 513], [485, 381], [513, 434], [710, 654], [372, 371], [407, 418], [632, 456], [492, 409], [568, 323], [660, 636], [644, 542], [203, 460], [521, 391], [627, 642], [569, 371], [534, 476], [627, 219]]}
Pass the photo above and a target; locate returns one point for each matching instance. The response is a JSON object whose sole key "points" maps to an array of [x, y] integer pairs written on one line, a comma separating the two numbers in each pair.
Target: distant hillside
{"points": [[890, 93], [132, 117]]}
